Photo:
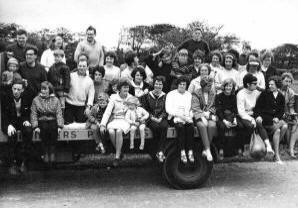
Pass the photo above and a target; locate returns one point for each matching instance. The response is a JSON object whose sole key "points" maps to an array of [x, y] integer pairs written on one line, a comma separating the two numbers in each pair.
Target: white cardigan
{"points": [[178, 104]]}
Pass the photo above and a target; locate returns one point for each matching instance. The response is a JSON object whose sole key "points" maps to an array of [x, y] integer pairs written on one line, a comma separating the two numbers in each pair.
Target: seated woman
{"points": [[114, 118], [178, 106], [154, 103], [216, 59], [290, 118], [228, 71], [111, 71], [269, 111], [100, 85], [46, 119], [204, 70], [181, 67], [138, 86], [113, 87], [226, 111], [203, 108], [198, 58], [253, 67]]}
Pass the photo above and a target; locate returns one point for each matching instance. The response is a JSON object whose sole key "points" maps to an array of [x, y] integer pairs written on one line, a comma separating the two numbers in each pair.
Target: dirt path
{"points": [[262, 184]]}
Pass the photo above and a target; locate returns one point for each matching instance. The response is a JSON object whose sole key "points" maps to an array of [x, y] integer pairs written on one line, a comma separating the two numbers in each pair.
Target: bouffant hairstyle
{"points": [[277, 81], [216, 53], [182, 79], [199, 54], [111, 54], [99, 69], [204, 65], [230, 55], [160, 79], [48, 85], [229, 81], [129, 57], [52, 43], [139, 69], [123, 82], [287, 75]]}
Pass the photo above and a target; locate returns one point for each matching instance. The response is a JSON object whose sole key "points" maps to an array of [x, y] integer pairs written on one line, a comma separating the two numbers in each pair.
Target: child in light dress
{"points": [[136, 117]]}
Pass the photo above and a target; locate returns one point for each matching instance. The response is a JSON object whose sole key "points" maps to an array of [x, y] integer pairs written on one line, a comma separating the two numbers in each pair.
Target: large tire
{"points": [[189, 176]]}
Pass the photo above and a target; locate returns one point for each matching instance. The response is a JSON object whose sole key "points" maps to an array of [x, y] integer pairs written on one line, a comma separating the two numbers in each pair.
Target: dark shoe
{"points": [[116, 162]]}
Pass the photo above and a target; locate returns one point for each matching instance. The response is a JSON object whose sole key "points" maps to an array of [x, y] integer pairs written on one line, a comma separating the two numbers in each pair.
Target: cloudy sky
{"points": [[265, 23]]}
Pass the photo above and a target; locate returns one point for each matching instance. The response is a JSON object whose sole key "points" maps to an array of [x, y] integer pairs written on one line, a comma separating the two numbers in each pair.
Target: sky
{"points": [[264, 23]]}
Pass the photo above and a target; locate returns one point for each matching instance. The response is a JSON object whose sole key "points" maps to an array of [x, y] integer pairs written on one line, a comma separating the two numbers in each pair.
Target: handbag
{"points": [[257, 148]]}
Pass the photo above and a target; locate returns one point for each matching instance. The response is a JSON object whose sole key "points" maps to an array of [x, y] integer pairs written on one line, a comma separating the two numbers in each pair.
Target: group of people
{"points": [[173, 87]]}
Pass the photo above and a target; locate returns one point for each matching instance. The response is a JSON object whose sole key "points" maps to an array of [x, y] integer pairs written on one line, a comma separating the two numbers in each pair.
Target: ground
{"points": [[138, 183]]}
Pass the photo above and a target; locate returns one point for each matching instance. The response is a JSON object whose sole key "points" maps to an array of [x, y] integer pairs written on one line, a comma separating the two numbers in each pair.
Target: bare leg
{"points": [[276, 140], [119, 142], [212, 130], [142, 135], [132, 136], [112, 137]]}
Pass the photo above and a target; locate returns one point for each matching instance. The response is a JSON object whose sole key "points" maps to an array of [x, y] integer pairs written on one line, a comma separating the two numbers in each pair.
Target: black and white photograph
{"points": [[157, 103]]}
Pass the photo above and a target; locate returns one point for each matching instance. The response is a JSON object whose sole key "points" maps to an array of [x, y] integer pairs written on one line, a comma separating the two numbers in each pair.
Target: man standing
{"points": [[18, 49], [90, 47], [195, 43], [32, 72], [16, 116]]}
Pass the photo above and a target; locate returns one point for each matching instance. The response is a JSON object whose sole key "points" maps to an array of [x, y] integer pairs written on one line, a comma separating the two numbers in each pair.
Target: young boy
{"points": [[136, 116], [94, 119], [59, 76], [10, 75]]}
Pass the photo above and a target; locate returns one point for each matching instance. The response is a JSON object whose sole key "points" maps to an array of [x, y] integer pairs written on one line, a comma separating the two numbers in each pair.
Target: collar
{"points": [[137, 86], [153, 96]]}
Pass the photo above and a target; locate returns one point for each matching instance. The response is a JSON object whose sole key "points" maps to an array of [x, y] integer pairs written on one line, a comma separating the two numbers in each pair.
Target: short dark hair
{"points": [[277, 80], [182, 79], [111, 54], [22, 32], [160, 79], [91, 28], [99, 69], [139, 69], [129, 57], [248, 78], [48, 85], [31, 47], [123, 82], [111, 84]]}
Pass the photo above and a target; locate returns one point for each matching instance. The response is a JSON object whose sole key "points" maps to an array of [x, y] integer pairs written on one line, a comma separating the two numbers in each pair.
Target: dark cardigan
{"points": [[225, 102], [269, 107]]}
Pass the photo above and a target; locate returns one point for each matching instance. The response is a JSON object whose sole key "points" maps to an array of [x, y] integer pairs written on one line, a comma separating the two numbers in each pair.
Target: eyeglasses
{"points": [[183, 54], [253, 83]]}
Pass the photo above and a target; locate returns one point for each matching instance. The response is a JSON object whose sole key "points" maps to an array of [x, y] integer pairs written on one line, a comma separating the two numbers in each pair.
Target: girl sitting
{"points": [[136, 117]]}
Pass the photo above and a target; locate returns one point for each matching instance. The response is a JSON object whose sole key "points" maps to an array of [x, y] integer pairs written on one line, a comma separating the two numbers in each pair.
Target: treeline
{"points": [[147, 38]]}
